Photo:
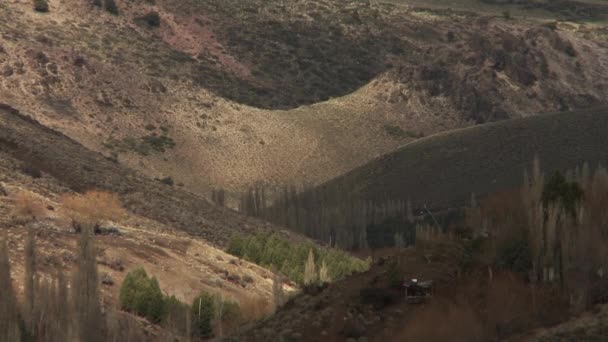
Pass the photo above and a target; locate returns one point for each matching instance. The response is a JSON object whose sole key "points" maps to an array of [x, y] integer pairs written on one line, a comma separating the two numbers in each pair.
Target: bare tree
{"points": [[30, 280]]}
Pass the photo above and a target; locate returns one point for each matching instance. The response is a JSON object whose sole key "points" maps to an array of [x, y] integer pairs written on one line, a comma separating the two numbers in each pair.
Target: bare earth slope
{"points": [[40, 148], [443, 170], [230, 93]]}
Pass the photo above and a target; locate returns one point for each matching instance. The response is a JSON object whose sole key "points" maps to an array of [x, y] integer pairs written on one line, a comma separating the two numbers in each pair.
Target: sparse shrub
{"points": [[41, 6], [152, 19], [110, 6], [203, 312], [142, 295], [167, 181], [507, 15], [97, 3]]}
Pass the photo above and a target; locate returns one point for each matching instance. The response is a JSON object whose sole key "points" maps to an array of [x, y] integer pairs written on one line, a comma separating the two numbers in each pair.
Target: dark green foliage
{"points": [[271, 250], [514, 254], [41, 6], [203, 312], [142, 295], [558, 190], [110, 6]]}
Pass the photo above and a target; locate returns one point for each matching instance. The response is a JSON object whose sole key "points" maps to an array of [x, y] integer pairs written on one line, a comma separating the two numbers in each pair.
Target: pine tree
{"points": [[202, 315]]}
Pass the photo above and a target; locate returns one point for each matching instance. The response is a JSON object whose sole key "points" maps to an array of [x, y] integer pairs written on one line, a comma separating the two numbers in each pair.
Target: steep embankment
{"points": [[182, 96], [443, 170]]}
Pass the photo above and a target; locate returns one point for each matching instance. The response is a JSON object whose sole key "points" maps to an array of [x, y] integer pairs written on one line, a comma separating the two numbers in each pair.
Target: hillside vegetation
{"points": [[437, 173], [232, 93]]}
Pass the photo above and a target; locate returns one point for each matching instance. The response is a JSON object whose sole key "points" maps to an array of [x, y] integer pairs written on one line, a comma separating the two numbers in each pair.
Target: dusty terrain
{"points": [[228, 94]]}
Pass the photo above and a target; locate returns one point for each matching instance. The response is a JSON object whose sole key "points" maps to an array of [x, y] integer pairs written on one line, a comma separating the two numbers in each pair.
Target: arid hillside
{"points": [[232, 93]]}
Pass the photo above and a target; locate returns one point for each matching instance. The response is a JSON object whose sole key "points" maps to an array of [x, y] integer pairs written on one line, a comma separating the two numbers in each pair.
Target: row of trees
{"points": [[342, 220], [53, 307]]}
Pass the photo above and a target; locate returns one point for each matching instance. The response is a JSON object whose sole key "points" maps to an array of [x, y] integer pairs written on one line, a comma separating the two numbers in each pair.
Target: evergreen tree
{"points": [[203, 311]]}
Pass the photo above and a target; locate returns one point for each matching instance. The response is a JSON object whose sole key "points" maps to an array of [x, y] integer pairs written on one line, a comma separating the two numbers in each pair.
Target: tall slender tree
{"points": [[9, 314]]}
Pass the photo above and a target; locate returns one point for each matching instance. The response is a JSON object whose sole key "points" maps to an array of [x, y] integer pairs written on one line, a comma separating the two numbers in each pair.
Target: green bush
{"points": [[203, 312], [41, 6], [142, 295]]}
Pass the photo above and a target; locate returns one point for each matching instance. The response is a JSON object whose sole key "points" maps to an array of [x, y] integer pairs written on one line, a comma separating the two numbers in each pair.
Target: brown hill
{"points": [[182, 99], [444, 169]]}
